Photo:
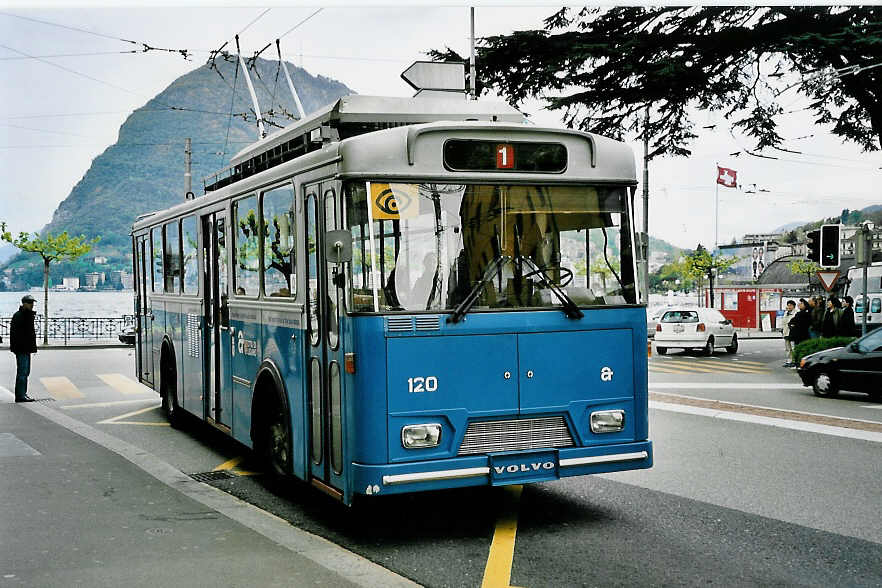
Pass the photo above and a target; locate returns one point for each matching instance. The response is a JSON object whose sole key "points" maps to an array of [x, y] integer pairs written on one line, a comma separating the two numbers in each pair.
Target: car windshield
{"points": [[871, 342], [494, 246], [680, 316]]}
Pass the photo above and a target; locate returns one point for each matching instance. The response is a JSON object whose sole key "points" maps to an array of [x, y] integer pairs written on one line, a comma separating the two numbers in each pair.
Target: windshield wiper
{"points": [[569, 307], [469, 300]]}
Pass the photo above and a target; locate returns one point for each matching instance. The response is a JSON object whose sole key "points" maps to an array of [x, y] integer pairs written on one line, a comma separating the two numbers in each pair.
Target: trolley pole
{"points": [[188, 178], [472, 68]]}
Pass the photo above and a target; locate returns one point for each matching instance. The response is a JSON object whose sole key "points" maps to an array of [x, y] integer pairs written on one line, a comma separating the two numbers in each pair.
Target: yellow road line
{"points": [[666, 370], [118, 420], [497, 573], [61, 388], [228, 465], [121, 383], [715, 368], [105, 404]]}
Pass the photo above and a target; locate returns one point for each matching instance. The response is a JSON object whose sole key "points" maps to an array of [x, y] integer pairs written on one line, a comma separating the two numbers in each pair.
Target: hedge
{"points": [[814, 345]]}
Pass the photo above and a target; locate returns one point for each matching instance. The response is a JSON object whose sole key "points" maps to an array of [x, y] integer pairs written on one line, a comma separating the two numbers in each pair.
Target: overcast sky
{"points": [[54, 121]]}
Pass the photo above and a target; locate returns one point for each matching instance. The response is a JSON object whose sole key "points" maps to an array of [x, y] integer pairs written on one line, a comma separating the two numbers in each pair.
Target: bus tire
{"points": [[168, 388], [661, 350], [272, 432]]}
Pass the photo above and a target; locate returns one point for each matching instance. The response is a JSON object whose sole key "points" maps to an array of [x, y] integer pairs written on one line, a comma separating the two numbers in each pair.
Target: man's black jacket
{"points": [[22, 337]]}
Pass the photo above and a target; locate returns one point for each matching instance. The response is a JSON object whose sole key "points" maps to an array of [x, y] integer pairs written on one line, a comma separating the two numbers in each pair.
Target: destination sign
{"points": [[468, 155]]}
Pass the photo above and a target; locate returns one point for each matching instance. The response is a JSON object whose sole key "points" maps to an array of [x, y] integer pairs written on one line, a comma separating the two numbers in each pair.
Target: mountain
{"points": [[144, 170], [788, 227]]}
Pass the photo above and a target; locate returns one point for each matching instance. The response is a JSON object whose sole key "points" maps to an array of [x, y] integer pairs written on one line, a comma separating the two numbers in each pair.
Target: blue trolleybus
{"points": [[396, 295]]}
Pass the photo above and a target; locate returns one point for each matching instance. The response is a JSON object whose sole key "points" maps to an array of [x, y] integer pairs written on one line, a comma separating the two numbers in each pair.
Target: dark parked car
{"points": [[856, 367], [128, 336]]}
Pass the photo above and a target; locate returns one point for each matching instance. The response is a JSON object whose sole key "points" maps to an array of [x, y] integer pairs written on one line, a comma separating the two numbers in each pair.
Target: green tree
{"points": [[804, 267], [702, 263], [670, 273], [51, 248], [603, 66]]}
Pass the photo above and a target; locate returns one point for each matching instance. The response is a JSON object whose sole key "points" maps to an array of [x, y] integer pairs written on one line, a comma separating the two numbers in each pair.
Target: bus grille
{"points": [[537, 433]]}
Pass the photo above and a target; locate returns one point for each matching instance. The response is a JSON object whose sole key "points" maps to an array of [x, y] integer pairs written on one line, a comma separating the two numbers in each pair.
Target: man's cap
{"points": [[28, 298]]}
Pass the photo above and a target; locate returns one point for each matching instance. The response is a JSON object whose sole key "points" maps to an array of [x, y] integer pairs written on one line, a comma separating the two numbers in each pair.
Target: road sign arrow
{"points": [[436, 75], [828, 279]]}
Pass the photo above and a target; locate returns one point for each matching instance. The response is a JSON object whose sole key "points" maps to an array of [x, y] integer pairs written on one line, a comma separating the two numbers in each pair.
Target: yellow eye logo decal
{"points": [[394, 201]]}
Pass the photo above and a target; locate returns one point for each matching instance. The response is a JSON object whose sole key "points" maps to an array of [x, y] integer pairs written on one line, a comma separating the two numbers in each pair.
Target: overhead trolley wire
{"points": [[145, 47]]}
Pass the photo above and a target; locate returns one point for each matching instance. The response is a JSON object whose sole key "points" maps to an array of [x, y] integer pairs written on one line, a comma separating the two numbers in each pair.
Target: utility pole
{"points": [[645, 240], [472, 68], [188, 177], [863, 254]]}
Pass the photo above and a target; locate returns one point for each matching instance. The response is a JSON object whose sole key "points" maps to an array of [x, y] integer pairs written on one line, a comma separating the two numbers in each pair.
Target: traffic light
{"points": [[813, 245], [830, 246]]}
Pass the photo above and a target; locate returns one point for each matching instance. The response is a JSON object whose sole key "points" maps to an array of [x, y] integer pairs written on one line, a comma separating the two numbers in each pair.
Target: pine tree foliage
{"points": [[602, 66]]}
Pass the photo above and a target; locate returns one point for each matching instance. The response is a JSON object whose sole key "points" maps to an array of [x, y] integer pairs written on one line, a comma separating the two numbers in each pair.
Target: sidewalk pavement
{"points": [[748, 333], [83, 508]]}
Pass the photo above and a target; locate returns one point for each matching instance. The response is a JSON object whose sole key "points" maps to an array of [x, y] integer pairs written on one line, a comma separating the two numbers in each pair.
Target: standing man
{"points": [[23, 342], [785, 331]]}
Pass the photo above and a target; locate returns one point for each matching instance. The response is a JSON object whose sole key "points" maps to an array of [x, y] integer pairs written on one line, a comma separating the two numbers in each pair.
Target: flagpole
{"points": [[717, 208]]}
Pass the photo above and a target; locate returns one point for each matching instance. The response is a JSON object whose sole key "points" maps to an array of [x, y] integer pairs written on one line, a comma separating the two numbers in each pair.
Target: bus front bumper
{"points": [[500, 469]]}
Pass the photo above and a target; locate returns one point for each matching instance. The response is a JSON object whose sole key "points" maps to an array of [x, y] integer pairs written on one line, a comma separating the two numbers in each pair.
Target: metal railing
{"points": [[76, 328]]}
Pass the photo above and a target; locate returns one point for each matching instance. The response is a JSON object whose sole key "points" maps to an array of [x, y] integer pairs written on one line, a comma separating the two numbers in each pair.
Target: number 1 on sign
{"points": [[504, 156]]}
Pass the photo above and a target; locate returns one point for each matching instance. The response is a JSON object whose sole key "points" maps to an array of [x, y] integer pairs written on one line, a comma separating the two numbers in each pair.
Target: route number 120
{"points": [[420, 384]]}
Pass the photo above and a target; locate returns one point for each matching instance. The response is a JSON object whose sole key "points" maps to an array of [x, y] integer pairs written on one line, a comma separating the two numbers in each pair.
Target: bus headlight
{"points": [[420, 436], [607, 421]]}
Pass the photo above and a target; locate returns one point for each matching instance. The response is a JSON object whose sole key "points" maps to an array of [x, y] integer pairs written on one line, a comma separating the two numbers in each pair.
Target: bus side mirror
{"points": [[338, 246]]}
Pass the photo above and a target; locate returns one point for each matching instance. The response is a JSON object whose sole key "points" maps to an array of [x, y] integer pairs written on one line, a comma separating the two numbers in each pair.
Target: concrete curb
{"points": [[78, 346], [348, 565]]}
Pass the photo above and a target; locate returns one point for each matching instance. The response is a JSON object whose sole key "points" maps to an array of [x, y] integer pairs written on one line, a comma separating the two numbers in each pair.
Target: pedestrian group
{"points": [[815, 318]]}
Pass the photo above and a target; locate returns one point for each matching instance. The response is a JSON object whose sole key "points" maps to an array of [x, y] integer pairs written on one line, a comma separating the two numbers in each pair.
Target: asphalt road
{"points": [[730, 502]]}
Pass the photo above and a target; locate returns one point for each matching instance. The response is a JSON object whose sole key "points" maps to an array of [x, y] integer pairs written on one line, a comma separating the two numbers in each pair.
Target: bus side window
{"points": [[172, 258], [279, 278], [312, 267], [246, 247], [188, 243], [156, 244]]}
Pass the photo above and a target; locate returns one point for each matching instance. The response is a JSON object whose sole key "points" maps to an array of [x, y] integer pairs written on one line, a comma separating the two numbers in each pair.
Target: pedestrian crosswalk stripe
{"points": [[121, 383], [683, 367], [667, 370], [61, 388]]}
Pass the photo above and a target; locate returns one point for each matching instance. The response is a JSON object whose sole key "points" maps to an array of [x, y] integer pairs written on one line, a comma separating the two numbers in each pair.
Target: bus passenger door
{"points": [[145, 342], [325, 378], [216, 337]]}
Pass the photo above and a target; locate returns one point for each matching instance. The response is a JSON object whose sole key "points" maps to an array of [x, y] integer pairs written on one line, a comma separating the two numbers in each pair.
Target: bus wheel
{"points": [[168, 389], [277, 442], [661, 350]]}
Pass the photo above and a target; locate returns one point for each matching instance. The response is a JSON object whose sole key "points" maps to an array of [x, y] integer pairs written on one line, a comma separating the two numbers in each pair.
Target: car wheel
{"points": [[709, 347], [824, 385], [661, 350], [733, 346]]}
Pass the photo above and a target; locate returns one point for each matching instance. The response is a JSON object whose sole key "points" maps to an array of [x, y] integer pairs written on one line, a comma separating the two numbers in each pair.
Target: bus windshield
{"points": [[429, 247]]}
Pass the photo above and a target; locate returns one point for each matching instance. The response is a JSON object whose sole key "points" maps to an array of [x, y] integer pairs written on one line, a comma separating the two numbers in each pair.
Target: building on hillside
{"points": [[128, 281], [100, 260], [658, 259], [71, 283], [93, 280]]}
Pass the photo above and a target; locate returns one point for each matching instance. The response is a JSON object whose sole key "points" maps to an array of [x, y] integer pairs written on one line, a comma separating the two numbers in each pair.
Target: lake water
{"points": [[73, 304]]}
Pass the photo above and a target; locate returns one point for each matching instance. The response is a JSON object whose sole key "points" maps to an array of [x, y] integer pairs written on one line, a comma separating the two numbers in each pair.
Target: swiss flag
{"points": [[726, 177]]}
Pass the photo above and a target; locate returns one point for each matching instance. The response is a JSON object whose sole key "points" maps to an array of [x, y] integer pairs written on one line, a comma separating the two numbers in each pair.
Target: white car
{"points": [[704, 329]]}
